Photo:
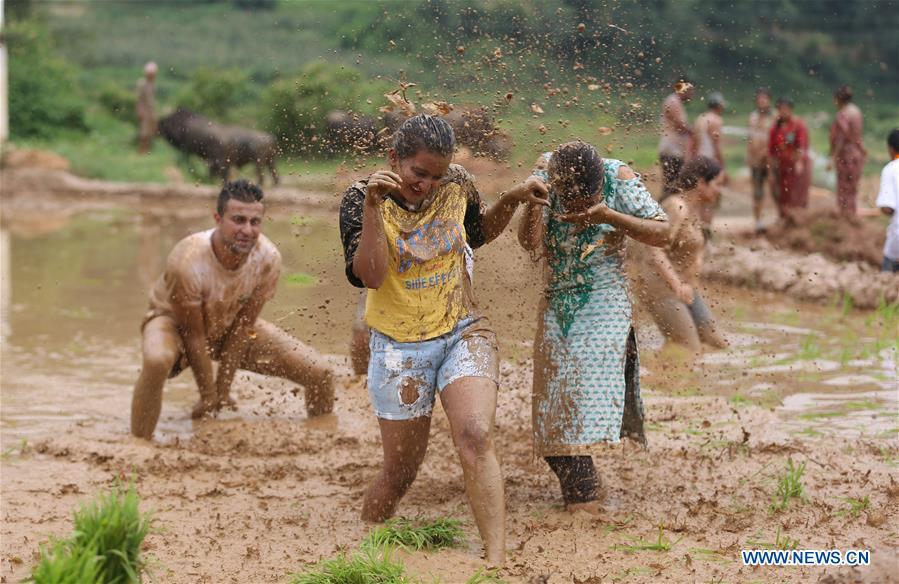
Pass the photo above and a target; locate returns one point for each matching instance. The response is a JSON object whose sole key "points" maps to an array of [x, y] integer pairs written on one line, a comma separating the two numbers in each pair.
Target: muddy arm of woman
{"points": [[530, 228], [370, 260], [660, 261], [533, 191]]}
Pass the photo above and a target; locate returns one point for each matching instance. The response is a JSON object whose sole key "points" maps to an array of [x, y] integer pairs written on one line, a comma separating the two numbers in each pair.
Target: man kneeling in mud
{"points": [[205, 306]]}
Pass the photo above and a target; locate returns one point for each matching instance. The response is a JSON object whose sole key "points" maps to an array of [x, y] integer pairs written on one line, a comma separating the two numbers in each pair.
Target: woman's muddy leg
{"points": [[274, 352], [405, 443], [470, 406], [675, 321], [705, 323], [577, 478], [160, 348]]}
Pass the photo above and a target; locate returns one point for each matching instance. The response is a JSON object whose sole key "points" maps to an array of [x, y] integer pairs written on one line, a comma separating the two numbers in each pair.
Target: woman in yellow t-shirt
{"points": [[408, 235]]}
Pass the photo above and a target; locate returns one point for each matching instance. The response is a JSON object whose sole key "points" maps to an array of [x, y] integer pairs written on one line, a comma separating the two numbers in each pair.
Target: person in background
{"points": [[707, 143], [888, 201], [759, 126], [788, 152], [146, 108], [847, 152], [674, 144], [667, 279]]}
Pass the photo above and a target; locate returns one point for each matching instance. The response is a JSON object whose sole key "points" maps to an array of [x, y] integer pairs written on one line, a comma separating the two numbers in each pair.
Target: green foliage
{"points": [[44, 97], [370, 566], [417, 535], [118, 102], [781, 542], [662, 544], [789, 487], [298, 106], [115, 527], [105, 547], [256, 4], [63, 563], [485, 577], [855, 506], [215, 93]]}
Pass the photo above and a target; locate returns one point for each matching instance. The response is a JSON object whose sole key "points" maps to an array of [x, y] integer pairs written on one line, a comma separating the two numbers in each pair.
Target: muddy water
{"points": [[74, 291]]}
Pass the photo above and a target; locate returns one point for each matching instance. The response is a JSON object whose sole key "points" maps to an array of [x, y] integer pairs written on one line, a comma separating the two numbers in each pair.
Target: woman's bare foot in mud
{"points": [[204, 408], [228, 403]]}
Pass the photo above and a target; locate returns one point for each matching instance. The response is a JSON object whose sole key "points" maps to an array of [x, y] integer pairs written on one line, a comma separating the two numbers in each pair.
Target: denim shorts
{"points": [[404, 378]]}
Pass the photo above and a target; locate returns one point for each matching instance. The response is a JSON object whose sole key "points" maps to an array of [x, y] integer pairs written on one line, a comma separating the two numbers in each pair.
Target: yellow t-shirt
{"points": [[427, 290]]}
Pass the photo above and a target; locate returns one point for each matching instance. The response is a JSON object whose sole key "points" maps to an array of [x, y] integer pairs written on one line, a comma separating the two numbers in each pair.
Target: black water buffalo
{"points": [[220, 146], [474, 128], [351, 132]]}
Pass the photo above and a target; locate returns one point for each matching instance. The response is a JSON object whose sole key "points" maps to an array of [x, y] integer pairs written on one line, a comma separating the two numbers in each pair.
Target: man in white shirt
{"points": [[888, 201]]}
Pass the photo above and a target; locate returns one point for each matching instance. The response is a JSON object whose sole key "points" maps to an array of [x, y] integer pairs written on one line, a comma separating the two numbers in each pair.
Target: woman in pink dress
{"points": [[847, 150], [788, 150]]}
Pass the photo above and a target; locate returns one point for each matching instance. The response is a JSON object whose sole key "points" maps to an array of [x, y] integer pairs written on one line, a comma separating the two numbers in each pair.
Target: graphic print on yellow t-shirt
{"points": [[424, 293]]}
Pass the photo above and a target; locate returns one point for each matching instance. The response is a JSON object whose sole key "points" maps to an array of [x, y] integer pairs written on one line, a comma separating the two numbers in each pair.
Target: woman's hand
{"points": [[685, 293], [533, 190], [380, 184], [598, 213]]}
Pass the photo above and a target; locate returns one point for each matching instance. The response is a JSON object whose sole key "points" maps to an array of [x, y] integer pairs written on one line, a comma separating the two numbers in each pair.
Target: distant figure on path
{"points": [[674, 144], [707, 143], [888, 201], [788, 149], [205, 307], [847, 150], [146, 108], [757, 152]]}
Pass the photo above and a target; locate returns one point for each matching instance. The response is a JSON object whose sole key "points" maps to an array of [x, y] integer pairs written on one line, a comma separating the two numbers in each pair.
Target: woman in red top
{"points": [[788, 148]]}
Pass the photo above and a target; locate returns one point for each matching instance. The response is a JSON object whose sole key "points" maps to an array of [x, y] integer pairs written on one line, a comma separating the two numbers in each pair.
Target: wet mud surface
{"points": [[263, 491]]}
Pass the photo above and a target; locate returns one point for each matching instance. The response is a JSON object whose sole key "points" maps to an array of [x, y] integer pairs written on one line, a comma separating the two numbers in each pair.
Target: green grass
{"points": [[416, 534], [300, 280], [781, 542], [661, 544], [855, 507], [485, 577], [370, 566], [789, 487], [105, 546], [63, 563]]}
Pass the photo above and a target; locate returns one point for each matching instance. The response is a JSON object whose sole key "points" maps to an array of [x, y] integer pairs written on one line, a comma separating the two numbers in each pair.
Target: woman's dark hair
{"points": [[240, 190], [576, 169], [893, 140], [424, 132], [701, 167], [785, 101], [843, 94]]}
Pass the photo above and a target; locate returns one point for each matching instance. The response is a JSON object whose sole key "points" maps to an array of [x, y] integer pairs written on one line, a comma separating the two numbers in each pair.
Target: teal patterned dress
{"points": [[586, 369]]}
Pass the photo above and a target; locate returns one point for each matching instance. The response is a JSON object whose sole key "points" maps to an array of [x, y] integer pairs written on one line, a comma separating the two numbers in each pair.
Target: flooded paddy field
{"points": [[263, 492]]}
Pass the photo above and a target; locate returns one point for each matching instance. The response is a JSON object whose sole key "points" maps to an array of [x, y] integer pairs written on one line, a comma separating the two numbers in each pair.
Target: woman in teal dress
{"points": [[586, 374]]}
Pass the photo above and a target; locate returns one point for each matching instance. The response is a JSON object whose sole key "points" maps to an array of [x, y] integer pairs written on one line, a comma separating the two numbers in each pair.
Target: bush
{"points": [[297, 107], [105, 547], [256, 4], [62, 563], [44, 98], [118, 101], [215, 93]]}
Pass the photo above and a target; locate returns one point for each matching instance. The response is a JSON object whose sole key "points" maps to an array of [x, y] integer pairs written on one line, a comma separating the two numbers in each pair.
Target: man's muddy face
{"points": [[240, 225], [421, 174], [762, 102]]}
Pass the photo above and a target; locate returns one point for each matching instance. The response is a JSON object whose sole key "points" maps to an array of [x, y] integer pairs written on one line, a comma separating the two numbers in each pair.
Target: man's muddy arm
{"points": [[192, 328], [237, 340], [654, 232]]}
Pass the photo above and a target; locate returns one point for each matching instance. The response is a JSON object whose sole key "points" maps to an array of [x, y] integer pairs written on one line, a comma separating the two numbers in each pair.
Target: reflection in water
{"points": [[74, 289]]}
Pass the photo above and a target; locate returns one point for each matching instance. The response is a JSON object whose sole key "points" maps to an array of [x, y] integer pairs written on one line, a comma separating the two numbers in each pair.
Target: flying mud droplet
{"points": [[536, 108], [604, 130], [593, 87], [682, 87], [251, 334]]}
